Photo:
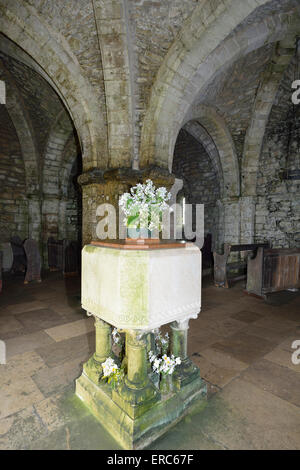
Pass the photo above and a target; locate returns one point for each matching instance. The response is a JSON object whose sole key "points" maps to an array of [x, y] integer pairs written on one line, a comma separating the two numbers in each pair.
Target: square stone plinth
{"points": [[140, 432]]}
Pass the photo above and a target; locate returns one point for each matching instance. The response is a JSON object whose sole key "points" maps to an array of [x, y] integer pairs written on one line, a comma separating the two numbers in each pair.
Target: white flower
{"points": [[116, 336], [109, 367], [166, 365], [147, 203], [152, 357], [156, 365]]}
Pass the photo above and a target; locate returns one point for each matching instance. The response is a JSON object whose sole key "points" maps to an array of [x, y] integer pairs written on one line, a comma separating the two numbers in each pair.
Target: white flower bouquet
{"points": [[164, 365], [161, 363], [144, 205], [112, 373]]}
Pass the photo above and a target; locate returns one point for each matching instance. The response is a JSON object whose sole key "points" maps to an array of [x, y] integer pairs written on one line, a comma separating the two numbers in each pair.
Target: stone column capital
{"points": [[159, 176], [127, 176], [106, 186]]}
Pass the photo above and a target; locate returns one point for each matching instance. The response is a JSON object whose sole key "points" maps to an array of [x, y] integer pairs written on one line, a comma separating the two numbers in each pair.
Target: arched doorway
{"points": [[40, 156]]}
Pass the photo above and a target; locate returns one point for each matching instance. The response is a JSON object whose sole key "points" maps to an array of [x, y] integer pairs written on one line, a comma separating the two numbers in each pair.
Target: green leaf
{"points": [[131, 219]]}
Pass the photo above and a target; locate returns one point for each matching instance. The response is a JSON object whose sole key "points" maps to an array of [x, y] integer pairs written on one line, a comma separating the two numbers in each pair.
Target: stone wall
{"points": [[278, 204], [13, 204], [193, 165]]}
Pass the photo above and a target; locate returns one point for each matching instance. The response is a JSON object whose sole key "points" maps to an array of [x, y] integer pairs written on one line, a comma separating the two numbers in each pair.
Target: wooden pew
{"points": [[71, 258], [63, 255], [273, 270], [20, 260], [55, 254], [222, 267]]}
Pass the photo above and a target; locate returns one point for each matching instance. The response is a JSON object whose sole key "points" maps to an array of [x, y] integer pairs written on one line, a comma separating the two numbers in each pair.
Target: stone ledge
{"points": [[160, 176]]}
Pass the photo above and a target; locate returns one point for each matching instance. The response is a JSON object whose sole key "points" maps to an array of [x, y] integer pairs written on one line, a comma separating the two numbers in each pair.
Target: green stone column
{"points": [[136, 394], [187, 371], [137, 361], [92, 367]]}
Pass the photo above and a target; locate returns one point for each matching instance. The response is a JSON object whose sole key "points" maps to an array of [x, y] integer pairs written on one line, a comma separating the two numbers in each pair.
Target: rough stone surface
{"points": [[278, 203], [200, 184], [98, 85], [13, 205]]}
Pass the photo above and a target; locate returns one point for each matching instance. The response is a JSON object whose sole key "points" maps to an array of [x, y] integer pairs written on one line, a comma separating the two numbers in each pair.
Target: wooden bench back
{"points": [[273, 270]]}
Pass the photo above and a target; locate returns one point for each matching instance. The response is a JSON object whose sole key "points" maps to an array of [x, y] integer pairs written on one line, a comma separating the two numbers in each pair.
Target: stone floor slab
{"points": [[283, 357], [243, 347], [15, 395], [244, 417], [40, 319], [22, 307], [29, 342], [21, 366], [8, 323], [217, 376], [79, 347], [52, 380], [271, 334], [221, 359], [72, 329], [21, 429], [246, 316], [276, 379]]}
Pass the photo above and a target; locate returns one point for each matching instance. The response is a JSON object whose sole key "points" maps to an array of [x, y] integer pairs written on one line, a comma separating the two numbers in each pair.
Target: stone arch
{"points": [[22, 123], [196, 130], [221, 145], [53, 155], [22, 25], [70, 159], [205, 45], [71, 203], [19, 116], [70, 154], [54, 199], [261, 112]]}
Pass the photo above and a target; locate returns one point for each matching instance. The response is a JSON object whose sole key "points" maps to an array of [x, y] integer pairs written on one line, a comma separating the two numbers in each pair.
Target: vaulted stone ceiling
{"points": [[131, 73], [38, 98], [75, 21], [233, 92], [127, 42]]}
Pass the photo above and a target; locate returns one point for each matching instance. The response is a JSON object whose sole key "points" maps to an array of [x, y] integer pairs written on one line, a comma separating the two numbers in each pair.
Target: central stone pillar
{"points": [[34, 216]]}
